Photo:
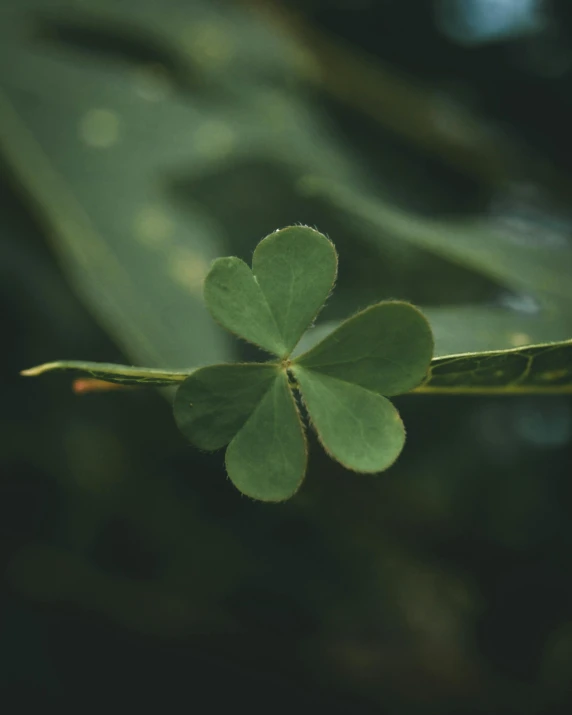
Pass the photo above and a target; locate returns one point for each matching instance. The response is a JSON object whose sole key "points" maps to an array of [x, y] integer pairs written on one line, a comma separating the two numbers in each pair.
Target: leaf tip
{"points": [[39, 369]]}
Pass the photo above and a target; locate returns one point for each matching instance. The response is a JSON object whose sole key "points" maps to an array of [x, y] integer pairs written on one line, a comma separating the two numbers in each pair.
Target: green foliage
{"points": [[539, 267], [267, 458], [87, 137], [384, 350], [80, 127], [106, 145], [343, 381], [203, 159], [535, 368]]}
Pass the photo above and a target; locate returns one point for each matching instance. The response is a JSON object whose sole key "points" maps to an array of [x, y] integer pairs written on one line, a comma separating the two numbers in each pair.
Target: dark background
{"points": [[133, 570]]}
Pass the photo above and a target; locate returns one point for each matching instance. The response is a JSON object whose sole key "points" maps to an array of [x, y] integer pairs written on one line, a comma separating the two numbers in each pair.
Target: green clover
{"points": [[344, 381]]}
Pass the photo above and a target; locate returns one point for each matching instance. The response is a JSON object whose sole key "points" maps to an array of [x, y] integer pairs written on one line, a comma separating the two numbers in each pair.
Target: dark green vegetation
{"points": [[140, 141]]}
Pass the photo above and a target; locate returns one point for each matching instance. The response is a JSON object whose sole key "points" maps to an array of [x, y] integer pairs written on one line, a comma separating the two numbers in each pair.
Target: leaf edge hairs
{"points": [[381, 351]]}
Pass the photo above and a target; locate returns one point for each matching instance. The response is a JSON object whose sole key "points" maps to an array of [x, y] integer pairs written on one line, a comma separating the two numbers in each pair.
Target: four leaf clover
{"points": [[343, 382]]}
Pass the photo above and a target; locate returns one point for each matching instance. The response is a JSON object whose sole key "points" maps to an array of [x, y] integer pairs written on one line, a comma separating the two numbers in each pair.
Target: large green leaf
{"points": [[386, 348], [267, 458], [213, 403], [537, 266], [105, 106], [86, 150], [359, 428], [533, 369], [95, 141], [293, 271]]}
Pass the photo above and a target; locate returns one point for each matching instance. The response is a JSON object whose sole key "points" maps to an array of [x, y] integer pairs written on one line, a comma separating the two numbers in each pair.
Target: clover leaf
{"points": [[343, 382]]}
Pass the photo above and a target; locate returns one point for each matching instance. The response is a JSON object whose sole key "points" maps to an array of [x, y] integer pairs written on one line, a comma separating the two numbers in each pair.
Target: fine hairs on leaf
{"points": [[344, 381]]}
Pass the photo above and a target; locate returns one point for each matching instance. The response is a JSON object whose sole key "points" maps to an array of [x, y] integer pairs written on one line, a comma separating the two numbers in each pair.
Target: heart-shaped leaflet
{"points": [[344, 380]]}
